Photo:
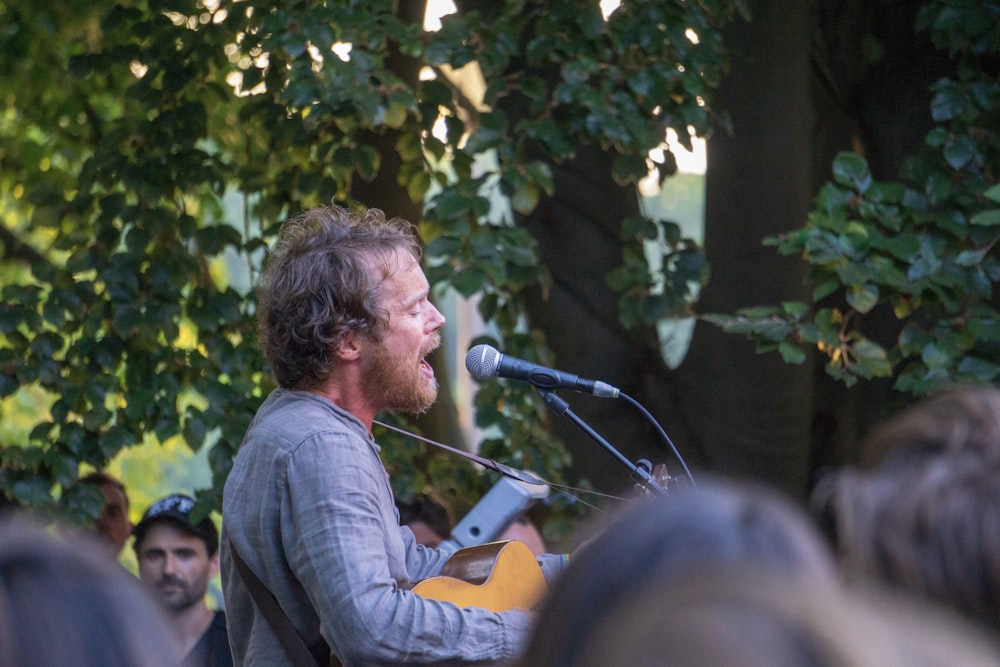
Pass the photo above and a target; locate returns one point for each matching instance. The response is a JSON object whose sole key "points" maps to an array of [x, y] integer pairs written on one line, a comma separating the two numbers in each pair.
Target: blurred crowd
{"points": [[894, 561]]}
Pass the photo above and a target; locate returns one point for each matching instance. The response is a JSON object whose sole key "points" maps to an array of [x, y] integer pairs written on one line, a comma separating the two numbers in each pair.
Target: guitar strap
{"points": [[296, 647]]}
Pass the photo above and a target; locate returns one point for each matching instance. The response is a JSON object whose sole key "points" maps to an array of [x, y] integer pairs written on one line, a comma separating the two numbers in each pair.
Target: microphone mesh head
{"points": [[482, 361]]}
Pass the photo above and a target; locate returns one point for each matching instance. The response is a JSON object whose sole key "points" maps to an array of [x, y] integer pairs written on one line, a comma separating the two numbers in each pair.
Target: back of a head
{"points": [[720, 525], [964, 419], [63, 605], [933, 531], [754, 619]]}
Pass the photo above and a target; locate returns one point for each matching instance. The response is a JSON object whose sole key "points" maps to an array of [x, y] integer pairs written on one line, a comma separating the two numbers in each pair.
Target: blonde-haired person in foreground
{"points": [[754, 618]]}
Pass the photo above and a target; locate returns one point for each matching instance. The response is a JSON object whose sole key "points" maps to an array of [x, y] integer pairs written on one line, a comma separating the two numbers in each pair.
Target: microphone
{"points": [[485, 361]]}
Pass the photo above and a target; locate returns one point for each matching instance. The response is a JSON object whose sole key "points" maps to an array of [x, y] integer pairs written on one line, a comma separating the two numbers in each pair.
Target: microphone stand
{"points": [[641, 474]]}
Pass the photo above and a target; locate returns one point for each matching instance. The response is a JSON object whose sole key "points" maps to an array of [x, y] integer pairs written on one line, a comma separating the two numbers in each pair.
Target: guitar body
{"points": [[498, 576]]}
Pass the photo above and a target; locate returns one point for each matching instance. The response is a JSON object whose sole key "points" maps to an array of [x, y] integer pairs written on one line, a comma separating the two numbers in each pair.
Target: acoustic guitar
{"points": [[498, 576]]}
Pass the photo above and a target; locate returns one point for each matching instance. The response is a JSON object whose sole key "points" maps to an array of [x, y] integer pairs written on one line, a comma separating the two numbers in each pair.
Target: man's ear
{"points": [[349, 348], [213, 564]]}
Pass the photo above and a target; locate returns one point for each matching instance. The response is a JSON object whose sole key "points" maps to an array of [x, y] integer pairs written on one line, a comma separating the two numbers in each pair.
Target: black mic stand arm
{"points": [[641, 474]]}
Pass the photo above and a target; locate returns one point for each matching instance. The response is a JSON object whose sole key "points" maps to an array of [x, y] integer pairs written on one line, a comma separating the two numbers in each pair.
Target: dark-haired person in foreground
{"points": [[346, 325]]}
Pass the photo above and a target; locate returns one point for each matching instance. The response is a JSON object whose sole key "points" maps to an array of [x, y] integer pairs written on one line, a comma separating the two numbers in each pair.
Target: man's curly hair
{"points": [[322, 280]]}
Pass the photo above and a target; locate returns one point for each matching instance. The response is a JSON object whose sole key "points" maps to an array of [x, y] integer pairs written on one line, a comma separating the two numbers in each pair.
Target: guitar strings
{"points": [[570, 492]]}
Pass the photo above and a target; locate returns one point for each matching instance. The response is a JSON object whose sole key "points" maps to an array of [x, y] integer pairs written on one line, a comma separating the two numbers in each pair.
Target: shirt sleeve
{"points": [[335, 514], [552, 566], [421, 561]]}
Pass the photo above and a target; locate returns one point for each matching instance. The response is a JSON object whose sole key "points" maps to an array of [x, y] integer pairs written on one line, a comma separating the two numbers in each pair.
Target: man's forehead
{"points": [[112, 494], [406, 282], [169, 532]]}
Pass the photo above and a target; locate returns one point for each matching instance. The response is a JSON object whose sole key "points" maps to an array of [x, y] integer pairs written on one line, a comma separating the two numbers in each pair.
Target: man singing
{"points": [[346, 325]]}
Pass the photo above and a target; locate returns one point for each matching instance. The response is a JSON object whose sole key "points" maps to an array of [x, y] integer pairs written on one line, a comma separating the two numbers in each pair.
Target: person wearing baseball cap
{"points": [[177, 558]]}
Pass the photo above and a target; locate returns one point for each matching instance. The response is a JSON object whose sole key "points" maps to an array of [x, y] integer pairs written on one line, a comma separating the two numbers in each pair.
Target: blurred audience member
{"points": [[177, 559], [426, 517], [717, 526], [924, 514], [7, 505], [933, 531], [66, 606], [113, 525], [749, 617], [960, 419], [431, 525], [523, 529]]}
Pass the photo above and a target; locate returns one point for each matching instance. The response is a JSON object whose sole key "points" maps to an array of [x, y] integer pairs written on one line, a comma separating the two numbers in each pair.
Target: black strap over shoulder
{"points": [[296, 647]]}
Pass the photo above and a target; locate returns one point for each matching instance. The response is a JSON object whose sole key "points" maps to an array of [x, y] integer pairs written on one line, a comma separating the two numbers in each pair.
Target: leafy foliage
{"points": [[923, 247], [151, 147]]}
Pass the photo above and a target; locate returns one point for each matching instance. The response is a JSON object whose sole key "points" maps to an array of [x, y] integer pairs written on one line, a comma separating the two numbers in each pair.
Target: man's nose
{"points": [[437, 319]]}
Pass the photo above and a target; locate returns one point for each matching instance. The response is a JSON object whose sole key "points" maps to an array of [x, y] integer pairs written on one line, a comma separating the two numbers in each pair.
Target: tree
{"points": [[902, 272], [808, 81], [151, 148]]}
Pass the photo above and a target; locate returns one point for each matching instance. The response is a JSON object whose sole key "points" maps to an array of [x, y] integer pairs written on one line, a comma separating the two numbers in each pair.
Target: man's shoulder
{"points": [[218, 622], [218, 641], [301, 414]]}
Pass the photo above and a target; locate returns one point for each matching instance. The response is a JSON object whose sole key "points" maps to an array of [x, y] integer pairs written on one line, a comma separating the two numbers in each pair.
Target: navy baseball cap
{"points": [[176, 508]]}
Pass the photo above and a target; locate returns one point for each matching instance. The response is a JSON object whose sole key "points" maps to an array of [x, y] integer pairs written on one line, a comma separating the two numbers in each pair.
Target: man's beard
{"points": [[184, 596], [398, 383]]}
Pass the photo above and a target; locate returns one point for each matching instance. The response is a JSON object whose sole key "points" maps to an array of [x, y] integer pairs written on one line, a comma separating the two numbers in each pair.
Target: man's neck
{"points": [[349, 398], [190, 624]]}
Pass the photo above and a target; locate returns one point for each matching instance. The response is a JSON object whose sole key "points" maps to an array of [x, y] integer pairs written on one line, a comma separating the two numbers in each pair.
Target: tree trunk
{"points": [[441, 421], [751, 412]]}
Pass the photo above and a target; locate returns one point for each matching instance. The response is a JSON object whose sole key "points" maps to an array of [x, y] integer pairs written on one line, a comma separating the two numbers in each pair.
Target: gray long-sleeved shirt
{"points": [[309, 508]]}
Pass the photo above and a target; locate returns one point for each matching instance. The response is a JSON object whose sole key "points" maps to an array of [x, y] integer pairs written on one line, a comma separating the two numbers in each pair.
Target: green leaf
{"points": [[395, 116], [934, 357], [851, 170], [985, 325], [971, 257], [449, 204], [367, 162], [948, 103], [791, 353], [862, 297], [444, 246], [796, 309], [468, 282], [871, 359], [541, 174], [483, 139], [628, 169], [418, 185], [434, 93], [960, 152], [488, 306], [978, 369], [525, 198], [989, 218], [408, 146]]}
